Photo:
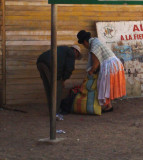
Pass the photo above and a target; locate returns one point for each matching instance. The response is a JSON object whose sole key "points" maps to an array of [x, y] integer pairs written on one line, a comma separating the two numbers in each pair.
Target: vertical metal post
{"points": [[53, 99], [53, 71]]}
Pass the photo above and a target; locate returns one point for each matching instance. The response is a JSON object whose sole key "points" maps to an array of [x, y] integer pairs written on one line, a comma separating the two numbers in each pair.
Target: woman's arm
{"points": [[95, 65]]}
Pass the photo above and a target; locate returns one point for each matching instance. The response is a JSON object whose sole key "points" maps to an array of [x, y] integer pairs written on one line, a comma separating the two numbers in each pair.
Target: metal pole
{"points": [[54, 71]]}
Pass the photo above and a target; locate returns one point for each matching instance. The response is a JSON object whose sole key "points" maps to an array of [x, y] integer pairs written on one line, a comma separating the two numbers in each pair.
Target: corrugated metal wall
{"points": [[28, 35]]}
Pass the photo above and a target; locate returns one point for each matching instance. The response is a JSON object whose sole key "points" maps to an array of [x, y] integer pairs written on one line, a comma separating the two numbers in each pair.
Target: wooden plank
{"points": [[27, 101], [26, 90], [26, 28], [40, 32], [26, 74], [22, 67], [30, 38], [34, 18], [22, 54], [40, 43], [27, 48], [24, 87], [78, 76], [67, 27], [73, 8], [26, 23], [26, 96], [27, 8], [21, 3], [71, 83], [77, 12], [4, 52], [28, 13], [28, 81], [81, 18]]}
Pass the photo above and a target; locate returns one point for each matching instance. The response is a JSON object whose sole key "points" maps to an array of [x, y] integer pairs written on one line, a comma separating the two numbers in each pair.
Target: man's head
{"points": [[83, 38], [77, 51]]}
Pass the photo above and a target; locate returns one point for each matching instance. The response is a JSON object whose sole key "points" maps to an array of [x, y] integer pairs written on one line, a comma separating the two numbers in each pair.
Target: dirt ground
{"points": [[112, 136]]}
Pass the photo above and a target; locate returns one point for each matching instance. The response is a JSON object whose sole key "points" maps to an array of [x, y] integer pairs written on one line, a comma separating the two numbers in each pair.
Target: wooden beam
{"points": [[3, 53]]}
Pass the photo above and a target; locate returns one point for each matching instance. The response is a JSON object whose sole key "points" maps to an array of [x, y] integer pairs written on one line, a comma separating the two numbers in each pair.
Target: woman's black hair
{"points": [[83, 36], [88, 36]]}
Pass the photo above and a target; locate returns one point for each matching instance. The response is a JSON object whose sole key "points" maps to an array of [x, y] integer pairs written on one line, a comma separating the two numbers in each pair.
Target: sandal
{"points": [[109, 110]]}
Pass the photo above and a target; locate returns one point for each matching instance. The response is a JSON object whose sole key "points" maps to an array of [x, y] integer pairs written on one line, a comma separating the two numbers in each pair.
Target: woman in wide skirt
{"points": [[111, 79]]}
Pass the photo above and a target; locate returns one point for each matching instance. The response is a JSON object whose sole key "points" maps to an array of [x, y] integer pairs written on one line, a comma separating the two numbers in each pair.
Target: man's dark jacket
{"points": [[65, 61]]}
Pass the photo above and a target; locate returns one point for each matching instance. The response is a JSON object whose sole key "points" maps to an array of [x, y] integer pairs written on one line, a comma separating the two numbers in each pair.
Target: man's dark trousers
{"points": [[46, 77]]}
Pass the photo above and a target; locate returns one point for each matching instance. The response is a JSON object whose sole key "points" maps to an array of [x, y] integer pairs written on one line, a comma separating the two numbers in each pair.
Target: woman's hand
{"points": [[95, 65]]}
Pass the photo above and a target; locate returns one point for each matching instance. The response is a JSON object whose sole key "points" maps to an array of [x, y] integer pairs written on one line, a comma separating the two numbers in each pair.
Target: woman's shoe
{"points": [[109, 110]]}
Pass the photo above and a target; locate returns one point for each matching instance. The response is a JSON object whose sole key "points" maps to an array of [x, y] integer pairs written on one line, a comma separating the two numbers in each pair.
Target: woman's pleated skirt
{"points": [[111, 81]]}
